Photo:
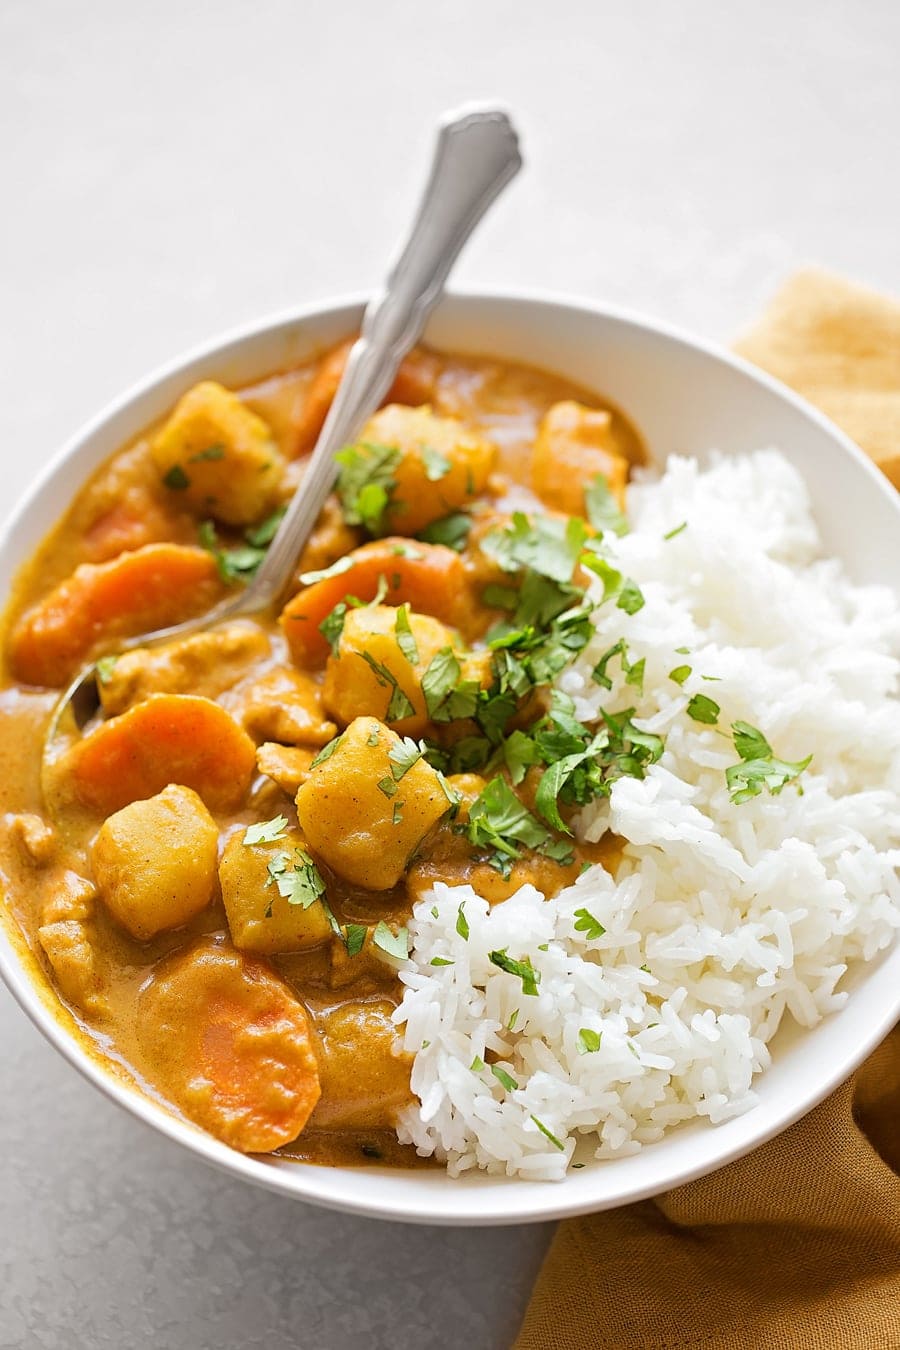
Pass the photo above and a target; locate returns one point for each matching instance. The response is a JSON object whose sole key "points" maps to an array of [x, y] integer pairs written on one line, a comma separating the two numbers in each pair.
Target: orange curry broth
{"points": [[120, 988]]}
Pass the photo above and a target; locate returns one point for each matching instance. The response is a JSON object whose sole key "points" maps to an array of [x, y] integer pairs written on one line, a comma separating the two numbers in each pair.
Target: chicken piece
{"points": [[368, 805], [260, 918], [574, 444], [218, 456], [284, 705], [154, 861], [67, 938], [364, 1081], [204, 664], [35, 838], [286, 765]]}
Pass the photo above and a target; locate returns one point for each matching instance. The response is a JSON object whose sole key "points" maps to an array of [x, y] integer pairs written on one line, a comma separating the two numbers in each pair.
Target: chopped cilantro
{"points": [[500, 597], [557, 1143], [327, 751], [498, 820], [332, 626], [441, 961], [366, 482], [397, 813], [355, 938], [105, 667], [261, 535], [211, 452], [477, 1065], [300, 883], [405, 638], [403, 754], [759, 767], [545, 544], [670, 534], [523, 969], [679, 674], [631, 597], [513, 1019], [387, 786], [587, 924], [176, 479], [447, 697], [392, 944], [503, 1078], [703, 709], [399, 705], [372, 738], [266, 831], [452, 531], [234, 564], [609, 575], [437, 466], [462, 923], [588, 1041], [602, 507], [326, 573]]}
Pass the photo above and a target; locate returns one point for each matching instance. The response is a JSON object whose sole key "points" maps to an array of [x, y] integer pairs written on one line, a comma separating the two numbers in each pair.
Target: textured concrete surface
{"points": [[169, 170]]}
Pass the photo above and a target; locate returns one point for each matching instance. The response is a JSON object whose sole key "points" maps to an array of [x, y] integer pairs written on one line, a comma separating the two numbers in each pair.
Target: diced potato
{"points": [[362, 813], [66, 937], [205, 664], [218, 456], [261, 920], [364, 1082], [225, 1039], [442, 466], [286, 765], [155, 861], [353, 689], [284, 705], [573, 445]]}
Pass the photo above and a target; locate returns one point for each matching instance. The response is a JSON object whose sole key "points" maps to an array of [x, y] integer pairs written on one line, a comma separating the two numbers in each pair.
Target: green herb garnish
{"points": [[266, 831], [703, 709], [176, 479], [523, 969]]}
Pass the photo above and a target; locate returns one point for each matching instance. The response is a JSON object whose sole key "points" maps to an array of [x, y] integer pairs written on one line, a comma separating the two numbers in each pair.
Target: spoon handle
{"points": [[476, 155]]}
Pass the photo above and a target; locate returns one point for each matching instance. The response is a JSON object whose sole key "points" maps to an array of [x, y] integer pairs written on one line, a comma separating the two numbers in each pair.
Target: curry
{"points": [[216, 876]]}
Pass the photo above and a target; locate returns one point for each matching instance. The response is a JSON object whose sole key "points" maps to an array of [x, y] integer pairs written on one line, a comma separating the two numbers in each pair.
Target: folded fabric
{"points": [[797, 1246]]}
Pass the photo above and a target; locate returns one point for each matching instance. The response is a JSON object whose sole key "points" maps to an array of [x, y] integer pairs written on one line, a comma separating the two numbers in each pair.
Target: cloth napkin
{"points": [[797, 1246]]}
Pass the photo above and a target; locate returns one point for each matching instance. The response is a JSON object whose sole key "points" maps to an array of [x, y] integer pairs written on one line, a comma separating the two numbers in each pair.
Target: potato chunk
{"points": [[374, 633], [573, 445], [218, 457], [366, 813], [204, 664], [364, 1083], [224, 1039], [443, 464], [260, 919], [155, 861]]}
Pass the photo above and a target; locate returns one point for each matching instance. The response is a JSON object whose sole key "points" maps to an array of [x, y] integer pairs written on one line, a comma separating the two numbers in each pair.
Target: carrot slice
{"points": [[169, 738], [228, 1043], [152, 587], [428, 576], [414, 384]]}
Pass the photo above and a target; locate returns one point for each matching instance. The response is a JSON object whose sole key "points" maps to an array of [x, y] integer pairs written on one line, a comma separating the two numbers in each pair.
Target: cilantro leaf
{"points": [[452, 531], [447, 697], [366, 482], [602, 507], [176, 479], [211, 452], [545, 544], [749, 741], [523, 970], [499, 821], [266, 831], [399, 705], [403, 754], [609, 575], [587, 924], [703, 709], [332, 626], [670, 534], [327, 751], [462, 923], [759, 767], [631, 598], [557, 1143], [437, 466], [105, 667], [392, 944], [261, 535], [355, 938], [300, 883], [234, 564], [405, 637], [588, 1041], [503, 1078], [680, 674]]}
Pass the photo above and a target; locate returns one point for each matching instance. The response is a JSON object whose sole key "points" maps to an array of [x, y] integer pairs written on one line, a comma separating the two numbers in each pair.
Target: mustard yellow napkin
{"points": [[796, 1247]]}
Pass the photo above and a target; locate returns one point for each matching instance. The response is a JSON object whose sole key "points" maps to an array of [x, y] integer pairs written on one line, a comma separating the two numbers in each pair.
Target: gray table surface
{"points": [[170, 170]]}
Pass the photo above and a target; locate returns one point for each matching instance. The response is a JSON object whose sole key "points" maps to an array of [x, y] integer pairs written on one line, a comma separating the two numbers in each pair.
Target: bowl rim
{"points": [[308, 1182]]}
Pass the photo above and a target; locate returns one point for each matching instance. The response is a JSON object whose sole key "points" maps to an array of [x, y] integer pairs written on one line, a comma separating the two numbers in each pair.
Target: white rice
{"points": [[721, 918]]}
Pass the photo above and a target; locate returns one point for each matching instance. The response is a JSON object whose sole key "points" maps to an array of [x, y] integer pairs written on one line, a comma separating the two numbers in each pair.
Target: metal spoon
{"points": [[476, 155]]}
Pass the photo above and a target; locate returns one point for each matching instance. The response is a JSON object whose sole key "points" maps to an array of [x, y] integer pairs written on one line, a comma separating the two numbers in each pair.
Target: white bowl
{"points": [[684, 396]]}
